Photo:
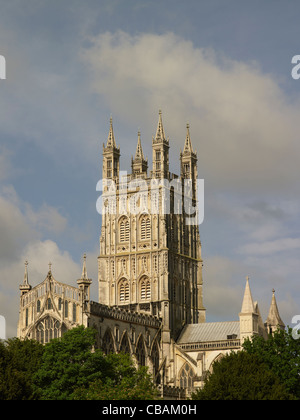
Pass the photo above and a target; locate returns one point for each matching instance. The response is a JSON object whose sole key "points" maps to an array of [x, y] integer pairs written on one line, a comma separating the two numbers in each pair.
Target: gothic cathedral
{"points": [[149, 275]]}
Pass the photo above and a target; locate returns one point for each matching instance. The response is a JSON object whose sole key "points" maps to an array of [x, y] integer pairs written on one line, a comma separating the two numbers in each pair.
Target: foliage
{"points": [[126, 383], [72, 369], [69, 363], [19, 359], [241, 376], [281, 353]]}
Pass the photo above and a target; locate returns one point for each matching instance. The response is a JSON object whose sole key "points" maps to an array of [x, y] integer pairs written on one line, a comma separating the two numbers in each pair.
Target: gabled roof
{"points": [[209, 331]]}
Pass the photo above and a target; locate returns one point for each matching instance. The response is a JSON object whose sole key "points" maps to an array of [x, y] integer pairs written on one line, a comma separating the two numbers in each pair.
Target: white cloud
{"points": [[239, 116], [46, 218], [21, 229], [271, 247]]}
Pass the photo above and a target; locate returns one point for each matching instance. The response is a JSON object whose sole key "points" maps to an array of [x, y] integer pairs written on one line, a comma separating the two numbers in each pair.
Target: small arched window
{"points": [[49, 304], [124, 230], [124, 291], [38, 306], [145, 289], [145, 228]]}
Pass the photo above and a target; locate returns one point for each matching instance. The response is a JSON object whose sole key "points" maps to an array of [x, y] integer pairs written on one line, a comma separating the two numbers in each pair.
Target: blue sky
{"points": [[222, 66]]}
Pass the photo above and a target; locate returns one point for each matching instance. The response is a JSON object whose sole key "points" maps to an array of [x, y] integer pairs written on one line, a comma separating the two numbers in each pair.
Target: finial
{"points": [[26, 273], [273, 290], [84, 271], [50, 265]]}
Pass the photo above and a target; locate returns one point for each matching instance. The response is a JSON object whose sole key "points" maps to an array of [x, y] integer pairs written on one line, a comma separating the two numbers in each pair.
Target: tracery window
{"points": [[155, 362], [108, 342], [140, 352], [187, 377], [125, 347], [47, 329]]}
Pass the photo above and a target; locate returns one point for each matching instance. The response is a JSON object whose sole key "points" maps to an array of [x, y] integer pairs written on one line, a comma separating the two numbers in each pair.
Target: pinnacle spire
{"points": [[25, 282], [160, 132], [25, 286], [111, 138], [139, 151], [84, 270], [274, 319], [247, 305], [139, 164], [188, 143], [84, 277]]}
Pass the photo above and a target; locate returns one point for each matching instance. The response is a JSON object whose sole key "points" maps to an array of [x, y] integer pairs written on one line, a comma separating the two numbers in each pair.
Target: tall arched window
{"points": [[125, 347], [145, 289], [140, 352], [66, 308], [145, 228], [38, 306], [124, 229], [186, 377], [124, 291], [74, 312], [155, 362], [49, 304], [108, 342]]}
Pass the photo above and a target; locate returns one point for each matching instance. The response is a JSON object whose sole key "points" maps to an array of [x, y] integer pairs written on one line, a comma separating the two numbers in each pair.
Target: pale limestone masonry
{"points": [[149, 276]]}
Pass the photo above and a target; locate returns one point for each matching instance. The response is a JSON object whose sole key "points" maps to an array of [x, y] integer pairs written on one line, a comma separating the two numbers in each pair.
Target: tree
{"points": [[125, 383], [281, 353], [241, 376], [69, 363], [72, 369], [19, 359]]}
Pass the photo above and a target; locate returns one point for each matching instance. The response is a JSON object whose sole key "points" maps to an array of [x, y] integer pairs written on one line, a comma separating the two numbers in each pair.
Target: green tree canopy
{"points": [[19, 359], [281, 353], [241, 376], [69, 363], [72, 369], [125, 383]]}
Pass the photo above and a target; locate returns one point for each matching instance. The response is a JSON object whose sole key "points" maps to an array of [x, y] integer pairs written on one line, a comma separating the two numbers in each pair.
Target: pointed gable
{"points": [[111, 138], [188, 143], [247, 305], [273, 316]]}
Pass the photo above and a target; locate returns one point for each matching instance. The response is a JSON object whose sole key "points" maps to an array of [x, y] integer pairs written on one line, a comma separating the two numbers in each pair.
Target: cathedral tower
{"points": [[150, 260]]}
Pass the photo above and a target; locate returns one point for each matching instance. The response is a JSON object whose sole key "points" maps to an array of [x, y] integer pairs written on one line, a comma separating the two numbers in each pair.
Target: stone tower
{"points": [[150, 259]]}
